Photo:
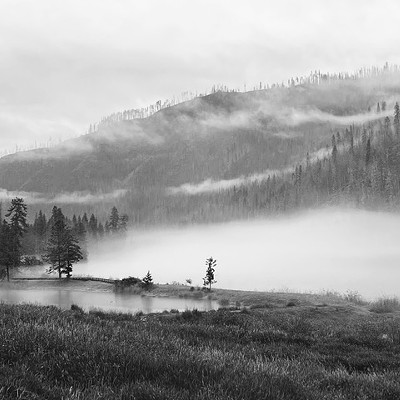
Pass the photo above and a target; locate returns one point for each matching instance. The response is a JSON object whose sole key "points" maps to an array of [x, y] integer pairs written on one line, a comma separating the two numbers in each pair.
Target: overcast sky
{"points": [[65, 64]]}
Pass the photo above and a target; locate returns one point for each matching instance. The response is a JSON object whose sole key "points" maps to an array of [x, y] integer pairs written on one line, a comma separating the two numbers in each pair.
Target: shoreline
{"points": [[226, 297]]}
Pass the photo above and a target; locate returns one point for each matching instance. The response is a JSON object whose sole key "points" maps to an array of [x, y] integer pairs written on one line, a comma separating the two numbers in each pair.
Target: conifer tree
{"points": [[100, 230], [55, 247], [114, 220], [17, 226], [123, 224], [6, 251], [93, 225], [147, 281], [334, 149], [209, 279], [396, 119], [368, 152], [63, 248]]}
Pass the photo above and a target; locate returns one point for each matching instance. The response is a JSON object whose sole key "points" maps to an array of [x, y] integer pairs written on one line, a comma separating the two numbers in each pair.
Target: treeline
{"points": [[314, 78], [58, 240], [83, 227]]}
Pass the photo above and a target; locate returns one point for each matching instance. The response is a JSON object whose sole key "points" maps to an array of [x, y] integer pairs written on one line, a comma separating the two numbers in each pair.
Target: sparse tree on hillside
{"points": [[368, 152], [334, 149], [209, 279], [396, 119]]}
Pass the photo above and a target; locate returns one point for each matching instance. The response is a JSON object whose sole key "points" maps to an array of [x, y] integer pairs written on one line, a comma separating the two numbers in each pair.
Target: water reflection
{"points": [[103, 300]]}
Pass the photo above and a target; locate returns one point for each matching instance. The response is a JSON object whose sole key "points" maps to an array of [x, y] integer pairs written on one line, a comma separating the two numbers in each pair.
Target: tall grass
{"points": [[281, 353], [385, 305]]}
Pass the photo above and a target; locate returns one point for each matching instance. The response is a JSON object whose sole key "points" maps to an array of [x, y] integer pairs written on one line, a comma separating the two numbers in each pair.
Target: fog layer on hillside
{"points": [[321, 250]]}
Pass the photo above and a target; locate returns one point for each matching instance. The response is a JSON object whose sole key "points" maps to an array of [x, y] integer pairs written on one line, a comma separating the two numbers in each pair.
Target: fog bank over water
{"points": [[320, 250]]}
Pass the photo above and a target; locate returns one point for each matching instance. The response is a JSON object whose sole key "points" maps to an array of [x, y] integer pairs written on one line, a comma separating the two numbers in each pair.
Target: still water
{"points": [[107, 301]]}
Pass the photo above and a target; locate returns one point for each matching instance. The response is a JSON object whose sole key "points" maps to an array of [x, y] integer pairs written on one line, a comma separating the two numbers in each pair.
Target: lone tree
{"points": [[63, 248], [147, 281], [208, 280]]}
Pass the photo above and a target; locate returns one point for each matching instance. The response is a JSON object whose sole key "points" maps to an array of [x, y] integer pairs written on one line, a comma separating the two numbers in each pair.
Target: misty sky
{"points": [[65, 64]]}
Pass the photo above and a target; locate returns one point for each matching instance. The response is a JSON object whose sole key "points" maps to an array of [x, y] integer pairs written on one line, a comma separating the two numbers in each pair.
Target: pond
{"points": [[107, 301]]}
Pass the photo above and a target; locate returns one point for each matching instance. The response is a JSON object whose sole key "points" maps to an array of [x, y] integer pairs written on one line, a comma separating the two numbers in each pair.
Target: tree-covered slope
{"points": [[221, 136]]}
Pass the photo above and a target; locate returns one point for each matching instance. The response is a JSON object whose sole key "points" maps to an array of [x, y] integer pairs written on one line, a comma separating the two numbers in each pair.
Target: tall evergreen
{"points": [[368, 152], [6, 250], [63, 248], [114, 220], [17, 226], [209, 279], [396, 119]]}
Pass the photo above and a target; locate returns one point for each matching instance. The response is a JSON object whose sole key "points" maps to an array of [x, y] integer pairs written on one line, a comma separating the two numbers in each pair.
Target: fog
{"points": [[211, 185], [296, 117], [329, 249], [63, 198]]}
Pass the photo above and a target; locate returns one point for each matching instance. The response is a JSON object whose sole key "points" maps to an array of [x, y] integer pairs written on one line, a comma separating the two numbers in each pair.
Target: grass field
{"points": [[283, 346]]}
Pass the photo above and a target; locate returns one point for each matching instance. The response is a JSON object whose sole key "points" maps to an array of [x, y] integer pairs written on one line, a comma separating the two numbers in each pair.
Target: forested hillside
{"points": [[281, 132]]}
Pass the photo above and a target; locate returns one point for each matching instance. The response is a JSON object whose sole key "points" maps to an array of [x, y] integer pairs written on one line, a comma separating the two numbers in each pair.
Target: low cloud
{"points": [[63, 198], [210, 185], [65, 149], [296, 117]]}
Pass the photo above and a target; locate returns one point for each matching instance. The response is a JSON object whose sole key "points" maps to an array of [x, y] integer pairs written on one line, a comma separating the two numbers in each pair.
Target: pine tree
{"points": [[113, 221], [387, 125], [40, 230], [63, 248], [334, 149], [85, 220], [368, 152], [396, 119], [72, 252], [55, 247], [93, 225], [208, 280], [147, 281], [123, 224], [6, 250], [17, 214], [100, 230]]}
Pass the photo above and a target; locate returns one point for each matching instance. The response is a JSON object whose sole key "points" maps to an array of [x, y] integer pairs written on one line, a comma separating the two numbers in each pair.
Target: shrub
{"points": [[354, 297], [385, 305], [76, 308], [224, 302]]}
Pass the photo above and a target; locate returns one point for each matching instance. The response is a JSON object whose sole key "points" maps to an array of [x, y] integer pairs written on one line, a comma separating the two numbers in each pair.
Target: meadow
{"points": [[281, 347]]}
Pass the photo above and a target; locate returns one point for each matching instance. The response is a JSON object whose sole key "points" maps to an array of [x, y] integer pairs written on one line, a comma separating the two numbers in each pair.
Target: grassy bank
{"points": [[225, 296], [297, 349]]}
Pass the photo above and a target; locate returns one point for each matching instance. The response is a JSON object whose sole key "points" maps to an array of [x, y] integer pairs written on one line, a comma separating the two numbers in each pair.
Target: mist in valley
{"points": [[331, 249]]}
